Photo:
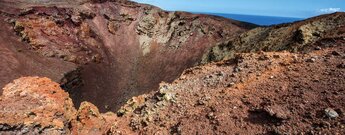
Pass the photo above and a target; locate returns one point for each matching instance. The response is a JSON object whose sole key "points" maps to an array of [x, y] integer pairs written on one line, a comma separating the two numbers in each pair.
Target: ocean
{"points": [[259, 20]]}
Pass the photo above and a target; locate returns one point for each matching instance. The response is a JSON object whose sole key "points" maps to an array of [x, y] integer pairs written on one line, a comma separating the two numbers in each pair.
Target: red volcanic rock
{"points": [[89, 120], [35, 105], [17, 60]]}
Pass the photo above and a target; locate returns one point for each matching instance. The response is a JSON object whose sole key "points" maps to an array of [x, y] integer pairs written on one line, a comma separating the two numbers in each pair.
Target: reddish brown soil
{"points": [[265, 93]]}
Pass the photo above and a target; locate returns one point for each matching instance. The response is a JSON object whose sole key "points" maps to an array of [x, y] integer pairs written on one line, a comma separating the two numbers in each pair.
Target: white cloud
{"points": [[145, 1], [329, 10]]}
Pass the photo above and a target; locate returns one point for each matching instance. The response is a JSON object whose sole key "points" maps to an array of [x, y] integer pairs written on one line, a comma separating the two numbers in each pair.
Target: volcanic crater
{"points": [[117, 49], [65, 63]]}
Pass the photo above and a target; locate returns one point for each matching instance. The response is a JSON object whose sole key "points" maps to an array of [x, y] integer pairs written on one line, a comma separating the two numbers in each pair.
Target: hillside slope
{"points": [[264, 93], [256, 93], [303, 36]]}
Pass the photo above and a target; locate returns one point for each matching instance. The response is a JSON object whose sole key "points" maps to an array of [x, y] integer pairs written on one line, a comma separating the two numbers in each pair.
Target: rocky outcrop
{"points": [[89, 120], [121, 48], [321, 31], [33, 105]]}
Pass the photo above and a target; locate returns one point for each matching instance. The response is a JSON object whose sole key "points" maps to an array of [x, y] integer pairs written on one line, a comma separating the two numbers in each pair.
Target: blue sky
{"points": [[283, 8]]}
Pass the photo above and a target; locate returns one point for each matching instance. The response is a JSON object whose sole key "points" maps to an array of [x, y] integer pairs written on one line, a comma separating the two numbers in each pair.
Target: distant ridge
{"points": [[257, 19]]}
